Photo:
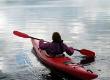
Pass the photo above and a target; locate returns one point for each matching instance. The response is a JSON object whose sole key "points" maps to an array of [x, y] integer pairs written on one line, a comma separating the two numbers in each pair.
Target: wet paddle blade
{"points": [[20, 34], [88, 53]]}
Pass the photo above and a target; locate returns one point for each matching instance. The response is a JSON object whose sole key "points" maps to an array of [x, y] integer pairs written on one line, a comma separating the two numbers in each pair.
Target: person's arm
{"points": [[43, 45], [68, 50]]}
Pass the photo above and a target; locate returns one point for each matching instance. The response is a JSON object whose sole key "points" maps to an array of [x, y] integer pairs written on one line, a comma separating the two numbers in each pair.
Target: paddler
{"points": [[56, 47]]}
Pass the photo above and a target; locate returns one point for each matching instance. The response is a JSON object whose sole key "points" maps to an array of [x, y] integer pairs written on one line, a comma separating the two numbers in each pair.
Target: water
{"points": [[82, 24]]}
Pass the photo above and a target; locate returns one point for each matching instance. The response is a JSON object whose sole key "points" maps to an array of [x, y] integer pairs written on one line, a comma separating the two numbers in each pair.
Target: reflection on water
{"points": [[82, 24]]}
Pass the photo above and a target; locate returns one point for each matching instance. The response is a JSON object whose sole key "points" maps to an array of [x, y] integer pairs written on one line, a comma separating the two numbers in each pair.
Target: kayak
{"points": [[62, 63]]}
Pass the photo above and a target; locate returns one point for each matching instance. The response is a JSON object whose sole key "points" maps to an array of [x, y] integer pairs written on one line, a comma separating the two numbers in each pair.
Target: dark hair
{"points": [[56, 37]]}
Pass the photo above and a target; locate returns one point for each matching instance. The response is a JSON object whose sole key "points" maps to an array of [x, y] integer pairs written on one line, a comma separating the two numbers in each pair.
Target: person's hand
{"points": [[71, 49]]}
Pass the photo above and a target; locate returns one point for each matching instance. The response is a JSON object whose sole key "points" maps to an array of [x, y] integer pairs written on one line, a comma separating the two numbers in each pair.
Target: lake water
{"points": [[82, 24]]}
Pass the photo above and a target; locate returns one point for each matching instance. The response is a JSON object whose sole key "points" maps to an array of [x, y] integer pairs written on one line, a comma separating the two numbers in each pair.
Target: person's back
{"points": [[56, 47]]}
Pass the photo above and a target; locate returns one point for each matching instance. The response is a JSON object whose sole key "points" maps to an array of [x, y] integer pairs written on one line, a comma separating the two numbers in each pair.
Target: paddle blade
{"points": [[88, 53], [20, 34]]}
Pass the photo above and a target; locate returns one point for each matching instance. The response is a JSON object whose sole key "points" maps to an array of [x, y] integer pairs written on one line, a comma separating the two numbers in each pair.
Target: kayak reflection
{"points": [[55, 75], [86, 60]]}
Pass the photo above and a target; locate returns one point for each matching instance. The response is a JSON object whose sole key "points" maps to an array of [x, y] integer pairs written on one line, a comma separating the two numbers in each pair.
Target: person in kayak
{"points": [[56, 47]]}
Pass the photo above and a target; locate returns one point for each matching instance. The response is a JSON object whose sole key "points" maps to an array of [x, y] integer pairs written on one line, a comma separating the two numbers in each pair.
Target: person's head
{"points": [[56, 37]]}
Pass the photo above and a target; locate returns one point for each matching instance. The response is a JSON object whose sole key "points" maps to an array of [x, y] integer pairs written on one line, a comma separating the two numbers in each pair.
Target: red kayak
{"points": [[64, 64]]}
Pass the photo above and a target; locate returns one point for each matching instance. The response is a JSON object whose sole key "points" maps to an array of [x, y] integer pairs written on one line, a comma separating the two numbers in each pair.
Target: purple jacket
{"points": [[55, 48]]}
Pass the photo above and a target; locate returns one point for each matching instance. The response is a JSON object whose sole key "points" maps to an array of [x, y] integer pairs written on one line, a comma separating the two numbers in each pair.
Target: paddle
{"points": [[85, 52], [23, 35]]}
